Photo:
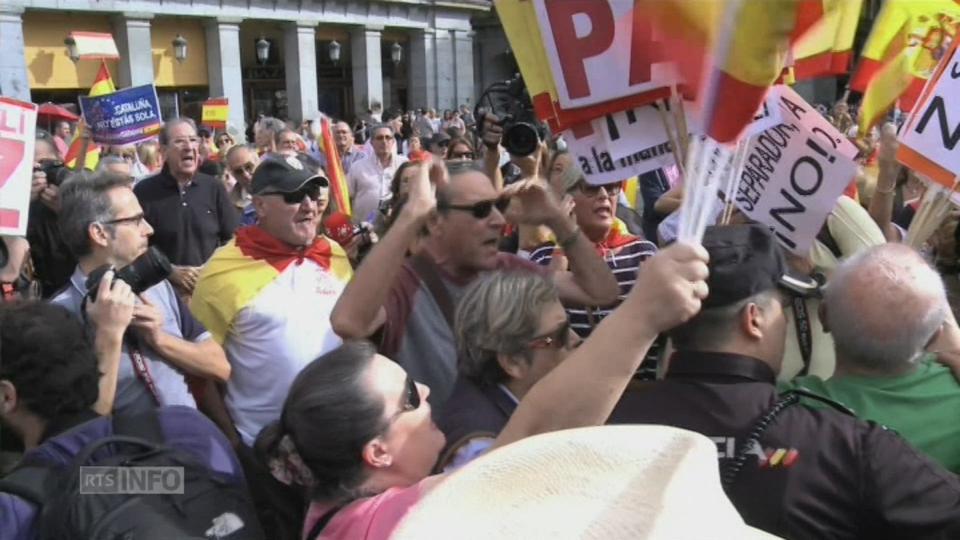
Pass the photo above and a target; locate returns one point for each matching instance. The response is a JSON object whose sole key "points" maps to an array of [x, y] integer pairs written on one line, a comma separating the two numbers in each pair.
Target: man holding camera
{"points": [[51, 260], [104, 226], [369, 179], [268, 294]]}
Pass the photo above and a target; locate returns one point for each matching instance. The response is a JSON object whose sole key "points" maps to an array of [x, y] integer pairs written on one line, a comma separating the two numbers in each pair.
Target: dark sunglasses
{"points": [[558, 339], [411, 401], [296, 197], [247, 168], [592, 191], [482, 209]]}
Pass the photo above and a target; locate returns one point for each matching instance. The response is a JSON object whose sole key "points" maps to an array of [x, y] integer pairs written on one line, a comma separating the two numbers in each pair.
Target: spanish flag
{"points": [[904, 47], [338, 180], [827, 48], [215, 112], [238, 271], [102, 85]]}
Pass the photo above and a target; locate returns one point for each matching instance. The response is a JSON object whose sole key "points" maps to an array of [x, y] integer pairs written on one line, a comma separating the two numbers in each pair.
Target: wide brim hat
{"points": [[609, 483]]}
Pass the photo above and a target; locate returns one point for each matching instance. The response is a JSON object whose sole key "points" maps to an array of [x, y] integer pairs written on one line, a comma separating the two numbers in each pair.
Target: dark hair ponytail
{"points": [[330, 416]]}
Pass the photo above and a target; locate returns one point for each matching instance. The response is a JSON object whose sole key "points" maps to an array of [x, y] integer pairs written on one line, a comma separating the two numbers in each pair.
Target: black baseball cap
{"points": [[284, 174], [440, 137], [746, 260]]}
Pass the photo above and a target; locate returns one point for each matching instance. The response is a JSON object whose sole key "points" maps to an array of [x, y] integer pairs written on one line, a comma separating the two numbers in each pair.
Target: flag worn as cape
{"points": [[238, 271]]}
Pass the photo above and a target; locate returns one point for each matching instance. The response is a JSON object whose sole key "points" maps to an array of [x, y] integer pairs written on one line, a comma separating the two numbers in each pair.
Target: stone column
{"points": [[446, 71], [132, 35], [300, 65], [13, 62], [422, 75], [224, 71], [367, 70], [463, 67]]}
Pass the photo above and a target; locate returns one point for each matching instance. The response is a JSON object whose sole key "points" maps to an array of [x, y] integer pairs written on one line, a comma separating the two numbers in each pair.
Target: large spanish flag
{"points": [[338, 179], [827, 48], [730, 52], [102, 85], [238, 271], [904, 47]]}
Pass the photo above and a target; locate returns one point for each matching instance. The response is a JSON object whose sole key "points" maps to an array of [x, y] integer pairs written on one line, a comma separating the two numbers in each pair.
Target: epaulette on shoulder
{"points": [[807, 394]]}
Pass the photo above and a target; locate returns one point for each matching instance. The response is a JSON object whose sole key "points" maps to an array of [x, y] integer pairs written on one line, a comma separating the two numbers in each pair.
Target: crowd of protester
{"points": [[336, 370]]}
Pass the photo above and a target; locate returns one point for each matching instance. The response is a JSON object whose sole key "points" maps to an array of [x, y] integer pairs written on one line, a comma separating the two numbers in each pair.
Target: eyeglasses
{"points": [[558, 339], [296, 197], [136, 220], [482, 209], [246, 168], [411, 399], [613, 190]]}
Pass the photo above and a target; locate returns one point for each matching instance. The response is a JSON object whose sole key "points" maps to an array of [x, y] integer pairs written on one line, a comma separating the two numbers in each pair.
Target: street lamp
{"points": [[72, 49], [333, 49], [396, 53], [263, 50], [180, 48]]}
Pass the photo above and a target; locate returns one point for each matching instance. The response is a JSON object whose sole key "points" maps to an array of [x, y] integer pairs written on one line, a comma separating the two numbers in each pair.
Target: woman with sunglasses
{"points": [[460, 149], [356, 430], [511, 332]]}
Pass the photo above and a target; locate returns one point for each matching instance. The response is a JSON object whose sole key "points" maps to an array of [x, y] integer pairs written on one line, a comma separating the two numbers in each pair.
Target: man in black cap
{"points": [[267, 295], [438, 144], [797, 469]]}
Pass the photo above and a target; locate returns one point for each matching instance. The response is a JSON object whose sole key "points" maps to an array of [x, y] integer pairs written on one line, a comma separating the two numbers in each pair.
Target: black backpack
{"points": [[212, 505]]}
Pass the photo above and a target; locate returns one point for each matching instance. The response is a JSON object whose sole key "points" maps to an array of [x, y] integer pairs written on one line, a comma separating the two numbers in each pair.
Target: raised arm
{"points": [[110, 315], [359, 311], [881, 204], [585, 387]]}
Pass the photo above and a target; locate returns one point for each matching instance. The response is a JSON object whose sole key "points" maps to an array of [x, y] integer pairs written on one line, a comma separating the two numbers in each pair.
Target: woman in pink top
{"points": [[356, 430]]}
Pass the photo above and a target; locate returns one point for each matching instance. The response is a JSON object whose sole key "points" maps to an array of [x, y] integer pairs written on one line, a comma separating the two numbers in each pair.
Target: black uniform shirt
{"points": [[187, 226], [816, 472]]}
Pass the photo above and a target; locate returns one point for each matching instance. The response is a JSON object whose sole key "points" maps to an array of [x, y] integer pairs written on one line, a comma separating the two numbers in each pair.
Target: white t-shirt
{"points": [[286, 327]]}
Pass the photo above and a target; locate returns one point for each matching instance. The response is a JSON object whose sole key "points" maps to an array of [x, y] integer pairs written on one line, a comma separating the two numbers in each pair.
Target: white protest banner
{"points": [[18, 125], [650, 152], [930, 140], [794, 173], [600, 50]]}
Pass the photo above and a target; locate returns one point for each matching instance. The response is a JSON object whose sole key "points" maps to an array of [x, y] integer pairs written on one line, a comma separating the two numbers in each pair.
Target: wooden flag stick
{"points": [[678, 152], [680, 117]]}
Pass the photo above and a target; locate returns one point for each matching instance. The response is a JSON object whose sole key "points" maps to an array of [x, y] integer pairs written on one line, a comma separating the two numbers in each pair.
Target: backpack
{"points": [[213, 505]]}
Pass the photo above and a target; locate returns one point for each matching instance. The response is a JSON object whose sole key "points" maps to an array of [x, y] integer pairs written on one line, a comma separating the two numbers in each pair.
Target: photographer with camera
{"points": [[104, 226], [52, 261]]}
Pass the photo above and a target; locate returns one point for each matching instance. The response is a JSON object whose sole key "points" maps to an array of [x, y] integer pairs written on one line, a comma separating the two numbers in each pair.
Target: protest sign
{"points": [[794, 173], [600, 51], [215, 113], [648, 152], [930, 140], [123, 117], [18, 125]]}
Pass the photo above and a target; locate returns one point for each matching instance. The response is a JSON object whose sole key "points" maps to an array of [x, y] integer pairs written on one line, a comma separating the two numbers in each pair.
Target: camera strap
{"points": [[141, 369]]}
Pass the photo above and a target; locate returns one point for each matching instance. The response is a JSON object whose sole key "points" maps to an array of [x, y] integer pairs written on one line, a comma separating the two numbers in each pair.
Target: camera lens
{"points": [[521, 139]]}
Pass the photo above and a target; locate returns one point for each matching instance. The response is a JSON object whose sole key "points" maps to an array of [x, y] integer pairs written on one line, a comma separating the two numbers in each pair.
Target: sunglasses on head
{"points": [[482, 209], [558, 339], [313, 191]]}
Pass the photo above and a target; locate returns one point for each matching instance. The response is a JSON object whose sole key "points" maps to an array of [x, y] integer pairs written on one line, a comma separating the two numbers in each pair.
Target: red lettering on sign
{"points": [[573, 50], [644, 51], [11, 154], [12, 121]]}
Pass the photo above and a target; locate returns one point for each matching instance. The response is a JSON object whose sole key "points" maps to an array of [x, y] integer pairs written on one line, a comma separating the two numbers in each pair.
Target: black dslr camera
{"points": [[146, 271], [54, 169], [510, 101]]}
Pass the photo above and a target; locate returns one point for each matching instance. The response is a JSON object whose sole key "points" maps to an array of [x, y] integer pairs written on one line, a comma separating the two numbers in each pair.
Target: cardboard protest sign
{"points": [[123, 117], [18, 125], [650, 150], [794, 173], [215, 113], [930, 140]]}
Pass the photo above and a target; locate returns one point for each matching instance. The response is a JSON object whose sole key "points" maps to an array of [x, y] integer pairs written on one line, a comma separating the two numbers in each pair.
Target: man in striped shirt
{"points": [[594, 208]]}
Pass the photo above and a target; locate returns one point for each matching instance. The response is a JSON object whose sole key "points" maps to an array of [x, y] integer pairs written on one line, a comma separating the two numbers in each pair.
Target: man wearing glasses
{"points": [[103, 224], [369, 180], [267, 295], [190, 211], [241, 161]]}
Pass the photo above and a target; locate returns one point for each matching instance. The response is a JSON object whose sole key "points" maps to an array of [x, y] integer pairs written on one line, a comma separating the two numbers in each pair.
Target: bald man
{"points": [[885, 307]]}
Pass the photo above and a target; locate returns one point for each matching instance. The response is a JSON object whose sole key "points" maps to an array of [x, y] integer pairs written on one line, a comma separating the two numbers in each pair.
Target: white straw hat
{"points": [[609, 483]]}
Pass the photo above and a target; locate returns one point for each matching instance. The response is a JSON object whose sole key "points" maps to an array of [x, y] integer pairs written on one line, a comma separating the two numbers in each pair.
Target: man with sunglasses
{"points": [[241, 160], [369, 179], [457, 232], [103, 224], [268, 294]]}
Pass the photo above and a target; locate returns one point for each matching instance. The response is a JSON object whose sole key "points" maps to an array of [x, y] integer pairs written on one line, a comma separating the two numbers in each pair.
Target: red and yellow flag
{"points": [[827, 48], [339, 192], [102, 85], [215, 112], [908, 39]]}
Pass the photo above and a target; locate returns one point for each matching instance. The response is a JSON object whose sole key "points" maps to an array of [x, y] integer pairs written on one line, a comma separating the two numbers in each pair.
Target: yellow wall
{"points": [[166, 70], [48, 66]]}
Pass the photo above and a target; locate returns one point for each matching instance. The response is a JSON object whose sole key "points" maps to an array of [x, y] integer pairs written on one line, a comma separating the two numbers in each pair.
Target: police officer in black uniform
{"points": [[794, 465]]}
